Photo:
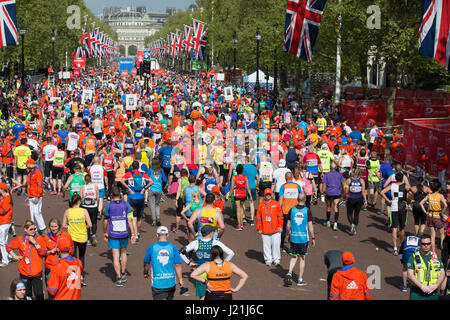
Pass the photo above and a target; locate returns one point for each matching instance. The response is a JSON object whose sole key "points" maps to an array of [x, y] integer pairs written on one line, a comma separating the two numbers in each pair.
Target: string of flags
{"points": [[190, 43]]}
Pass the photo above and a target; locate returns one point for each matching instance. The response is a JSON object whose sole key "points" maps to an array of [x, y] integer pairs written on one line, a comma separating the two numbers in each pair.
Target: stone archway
{"points": [[122, 50], [132, 50]]}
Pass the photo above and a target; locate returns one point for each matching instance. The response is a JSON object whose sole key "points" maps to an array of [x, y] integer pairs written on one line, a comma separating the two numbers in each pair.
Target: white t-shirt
{"points": [[373, 134], [98, 174], [97, 124], [169, 110], [266, 171], [49, 152], [72, 142], [279, 177]]}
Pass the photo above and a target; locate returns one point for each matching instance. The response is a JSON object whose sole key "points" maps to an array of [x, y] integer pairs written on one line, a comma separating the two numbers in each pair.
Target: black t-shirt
{"points": [[72, 162]]}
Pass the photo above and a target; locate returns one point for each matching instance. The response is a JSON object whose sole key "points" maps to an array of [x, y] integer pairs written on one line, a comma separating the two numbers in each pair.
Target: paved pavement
{"points": [[371, 247]]}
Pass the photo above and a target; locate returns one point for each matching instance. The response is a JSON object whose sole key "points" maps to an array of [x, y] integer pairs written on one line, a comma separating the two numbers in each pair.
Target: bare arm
{"points": [[236, 270], [87, 218]]}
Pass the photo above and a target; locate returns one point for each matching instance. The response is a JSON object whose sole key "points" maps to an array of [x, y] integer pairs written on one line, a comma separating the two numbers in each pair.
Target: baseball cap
{"points": [[3, 186], [347, 258], [267, 191], [30, 162], [215, 190], [282, 163], [207, 229], [162, 230], [64, 245]]}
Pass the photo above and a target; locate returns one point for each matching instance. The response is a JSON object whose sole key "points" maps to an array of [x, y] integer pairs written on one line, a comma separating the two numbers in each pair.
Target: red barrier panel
{"points": [[429, 133], [358, 113]]}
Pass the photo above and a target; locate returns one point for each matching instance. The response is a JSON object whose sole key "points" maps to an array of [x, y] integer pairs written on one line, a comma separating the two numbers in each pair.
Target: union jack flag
{"points": [[8, 22], [199, 39], [179, 43], [434, 32], [173, 45], [188, 39], [302, 23]]}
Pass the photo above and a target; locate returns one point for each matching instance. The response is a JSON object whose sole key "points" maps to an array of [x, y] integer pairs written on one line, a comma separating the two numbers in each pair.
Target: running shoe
{"points": [[335, 226], [288, 280], [277, 264], [123, 277], [404, 289], [239, 228], [119, 283], [395, 252], [327, 224], [268, 263], [244, 220], [14, 234], [89, 242], [138, 236], [59, 193], [158, 223], [252, 223], [2, 265], [342, 203], [53, 193], [94, 241], [301, 283]]}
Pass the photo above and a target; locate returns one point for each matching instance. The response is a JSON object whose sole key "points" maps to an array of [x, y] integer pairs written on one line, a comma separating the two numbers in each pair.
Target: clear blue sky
{"points": [[152, 5]]}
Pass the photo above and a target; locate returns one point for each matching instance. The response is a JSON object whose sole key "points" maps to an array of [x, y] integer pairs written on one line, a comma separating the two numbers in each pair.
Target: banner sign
{"points": [[131, 101], [87, 95], [429, 134]]}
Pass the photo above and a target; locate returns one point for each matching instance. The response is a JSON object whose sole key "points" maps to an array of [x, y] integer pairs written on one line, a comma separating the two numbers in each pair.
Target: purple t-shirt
{"points": [[333, 181]]}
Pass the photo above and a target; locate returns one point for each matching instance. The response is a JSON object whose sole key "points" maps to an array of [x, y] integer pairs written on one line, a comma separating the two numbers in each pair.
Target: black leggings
{"points": [[354, 206], [33, 285], [111, 177], [93, 213], [80, 251]]}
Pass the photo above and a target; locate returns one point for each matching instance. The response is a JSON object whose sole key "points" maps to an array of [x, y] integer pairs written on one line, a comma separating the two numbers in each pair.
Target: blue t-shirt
{"points": [[150, 132], [63, 135], [304, 127], [158, 180], [18, 128], [355, 135], [163, 256], [166, 153], [299, 217], [250, 172]]}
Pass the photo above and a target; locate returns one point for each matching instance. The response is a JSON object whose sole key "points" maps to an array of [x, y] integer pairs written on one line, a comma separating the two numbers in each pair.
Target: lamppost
{"points": [[258, 39], [22, 34], [235, 41], [53, 47]]}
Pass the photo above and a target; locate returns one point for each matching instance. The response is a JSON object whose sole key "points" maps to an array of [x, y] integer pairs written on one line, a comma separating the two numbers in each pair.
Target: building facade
{"points": [[133, 24]]}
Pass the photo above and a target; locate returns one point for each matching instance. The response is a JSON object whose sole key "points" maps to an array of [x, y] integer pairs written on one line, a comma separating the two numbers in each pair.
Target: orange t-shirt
{"points": [[64, 282]]}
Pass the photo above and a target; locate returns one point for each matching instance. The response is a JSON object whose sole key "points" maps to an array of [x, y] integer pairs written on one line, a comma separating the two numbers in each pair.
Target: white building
{"points": [[132, 25]]}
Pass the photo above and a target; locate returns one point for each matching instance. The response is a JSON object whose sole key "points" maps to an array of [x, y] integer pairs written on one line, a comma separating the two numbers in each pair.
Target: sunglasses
{"points": [[426, 244]]}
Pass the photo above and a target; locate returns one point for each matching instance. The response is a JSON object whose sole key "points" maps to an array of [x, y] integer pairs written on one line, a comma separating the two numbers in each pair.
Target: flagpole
{"points": [[337, 93]]}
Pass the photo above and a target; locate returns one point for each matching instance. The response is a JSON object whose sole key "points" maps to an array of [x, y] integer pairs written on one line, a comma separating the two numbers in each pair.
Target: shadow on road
{"points": [[108, 269], [378, 243], [395, 281], [255, 255]]}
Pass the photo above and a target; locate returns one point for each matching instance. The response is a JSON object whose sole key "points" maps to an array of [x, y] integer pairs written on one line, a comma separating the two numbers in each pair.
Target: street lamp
{"points": [[22, 34], [258, 39], [235, 41], [53, 47]]}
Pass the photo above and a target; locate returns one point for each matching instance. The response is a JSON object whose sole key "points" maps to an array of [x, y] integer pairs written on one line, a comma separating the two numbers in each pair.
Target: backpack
{"points": [[137, 182]]}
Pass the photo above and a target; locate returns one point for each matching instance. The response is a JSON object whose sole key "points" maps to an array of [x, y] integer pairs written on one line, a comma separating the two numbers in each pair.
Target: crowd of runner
{"points": [[188, 144]]}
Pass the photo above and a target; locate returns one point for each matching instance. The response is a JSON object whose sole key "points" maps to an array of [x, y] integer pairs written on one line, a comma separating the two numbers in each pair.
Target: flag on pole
{"points": [[434, 32], [199, 39], [188, 39], [302, 23], [9, 36]]}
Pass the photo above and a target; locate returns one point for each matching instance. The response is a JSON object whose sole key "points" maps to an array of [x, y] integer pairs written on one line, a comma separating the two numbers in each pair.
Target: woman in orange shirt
{"points": [[31, 249], [5, 221], [219, 271], [51, 240]]}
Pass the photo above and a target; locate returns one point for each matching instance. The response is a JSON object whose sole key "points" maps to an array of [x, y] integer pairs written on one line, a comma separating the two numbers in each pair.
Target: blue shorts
{"points": [[138, 207], [117, 243], [298, 249], [101, 193]]}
